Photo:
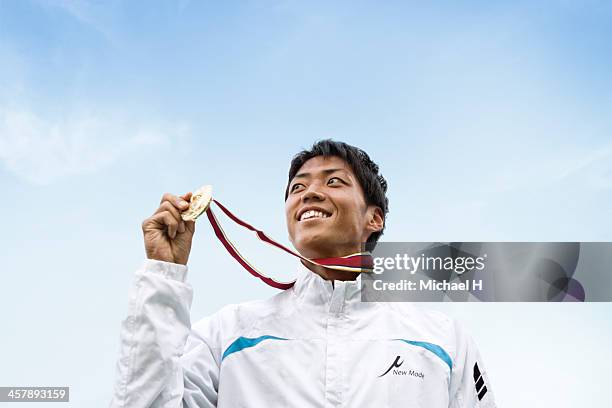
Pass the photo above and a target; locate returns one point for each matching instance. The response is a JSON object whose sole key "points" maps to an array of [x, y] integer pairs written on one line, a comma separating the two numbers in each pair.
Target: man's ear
{"points": [[376, 221]]}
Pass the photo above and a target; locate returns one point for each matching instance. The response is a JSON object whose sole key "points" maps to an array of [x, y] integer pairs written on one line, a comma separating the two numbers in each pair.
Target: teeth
{"points": [[312, 213]]}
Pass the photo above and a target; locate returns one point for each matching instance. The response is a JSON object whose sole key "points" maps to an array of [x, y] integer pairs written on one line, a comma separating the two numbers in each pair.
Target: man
{"points": [[314, 345]]}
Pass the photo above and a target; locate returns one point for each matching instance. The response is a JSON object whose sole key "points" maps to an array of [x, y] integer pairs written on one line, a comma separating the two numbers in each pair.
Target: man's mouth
{"points": [[314, 214]]}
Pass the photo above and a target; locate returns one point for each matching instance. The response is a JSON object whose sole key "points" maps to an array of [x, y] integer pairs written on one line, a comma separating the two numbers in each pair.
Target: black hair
{"points": [[373, 184]]}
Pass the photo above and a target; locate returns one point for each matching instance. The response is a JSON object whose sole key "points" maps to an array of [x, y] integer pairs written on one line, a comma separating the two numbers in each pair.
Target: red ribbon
{"points": [[359, 262]]}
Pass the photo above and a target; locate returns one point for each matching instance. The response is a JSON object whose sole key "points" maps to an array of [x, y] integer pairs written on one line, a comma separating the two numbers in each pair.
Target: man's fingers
{"points": [[165, 218], [175, 205], [183, 224], [167, 197], [178, 202], [166, 206]]}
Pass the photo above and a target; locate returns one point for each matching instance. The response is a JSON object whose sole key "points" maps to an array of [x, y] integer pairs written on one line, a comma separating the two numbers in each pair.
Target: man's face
{"points": [[326, 210]]}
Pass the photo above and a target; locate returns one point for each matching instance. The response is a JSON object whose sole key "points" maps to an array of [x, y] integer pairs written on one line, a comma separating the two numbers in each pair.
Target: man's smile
{"points": [[312, 213]]}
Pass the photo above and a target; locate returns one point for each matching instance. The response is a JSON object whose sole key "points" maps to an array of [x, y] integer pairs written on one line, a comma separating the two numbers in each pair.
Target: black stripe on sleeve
{"points": [[476, 372], [482, 393], [479, 384]]}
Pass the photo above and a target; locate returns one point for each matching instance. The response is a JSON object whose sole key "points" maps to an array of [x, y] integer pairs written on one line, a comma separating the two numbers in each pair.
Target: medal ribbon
{"points": [[358, 262]]}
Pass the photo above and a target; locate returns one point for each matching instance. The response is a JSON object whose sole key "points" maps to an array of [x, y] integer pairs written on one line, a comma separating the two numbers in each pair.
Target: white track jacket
{"points": [[314, 345]]}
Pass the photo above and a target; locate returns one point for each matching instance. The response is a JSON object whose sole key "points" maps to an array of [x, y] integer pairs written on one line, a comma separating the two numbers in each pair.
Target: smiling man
{"points": [[328, 214], [313, 345]]}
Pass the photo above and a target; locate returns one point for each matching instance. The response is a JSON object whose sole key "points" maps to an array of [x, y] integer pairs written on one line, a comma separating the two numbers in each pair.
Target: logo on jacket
{"points": [[481, 388], [394, 369]]}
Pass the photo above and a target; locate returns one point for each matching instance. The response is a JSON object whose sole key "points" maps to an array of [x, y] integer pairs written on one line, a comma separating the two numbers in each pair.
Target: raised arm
{"points": [[161, 363]]}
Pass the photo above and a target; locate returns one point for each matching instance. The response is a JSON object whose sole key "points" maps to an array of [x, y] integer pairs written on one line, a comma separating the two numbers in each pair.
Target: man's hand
{"points": [[166, 236]]}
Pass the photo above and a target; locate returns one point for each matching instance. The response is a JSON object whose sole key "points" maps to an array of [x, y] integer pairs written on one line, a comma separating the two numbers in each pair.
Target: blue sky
{"points": [[490, 120]]}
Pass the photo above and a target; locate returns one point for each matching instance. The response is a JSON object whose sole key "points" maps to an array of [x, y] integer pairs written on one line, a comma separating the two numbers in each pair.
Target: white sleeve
{"points": [[162, 363], [470, 386]]}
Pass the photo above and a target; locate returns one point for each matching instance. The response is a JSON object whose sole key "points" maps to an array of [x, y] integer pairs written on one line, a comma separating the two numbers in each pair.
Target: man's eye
{"points": [[331, 180], [293, 188]]}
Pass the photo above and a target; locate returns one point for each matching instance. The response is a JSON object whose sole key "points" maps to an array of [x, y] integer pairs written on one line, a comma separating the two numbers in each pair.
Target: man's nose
{"points": [[312, 194]]}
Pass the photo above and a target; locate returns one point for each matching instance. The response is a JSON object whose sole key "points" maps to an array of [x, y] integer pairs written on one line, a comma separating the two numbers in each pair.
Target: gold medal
{"points": [[200, 200]]}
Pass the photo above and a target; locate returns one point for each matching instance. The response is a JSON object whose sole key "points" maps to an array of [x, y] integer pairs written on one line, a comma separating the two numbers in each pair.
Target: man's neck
{"points": [[331, 251]]}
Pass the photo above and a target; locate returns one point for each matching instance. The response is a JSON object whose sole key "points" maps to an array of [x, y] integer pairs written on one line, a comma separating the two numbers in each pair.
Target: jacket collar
{"points": [[312, 289]]}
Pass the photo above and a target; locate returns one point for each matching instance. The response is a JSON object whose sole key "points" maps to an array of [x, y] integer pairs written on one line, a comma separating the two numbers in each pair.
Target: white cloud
{"points": [[42, 150]]}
